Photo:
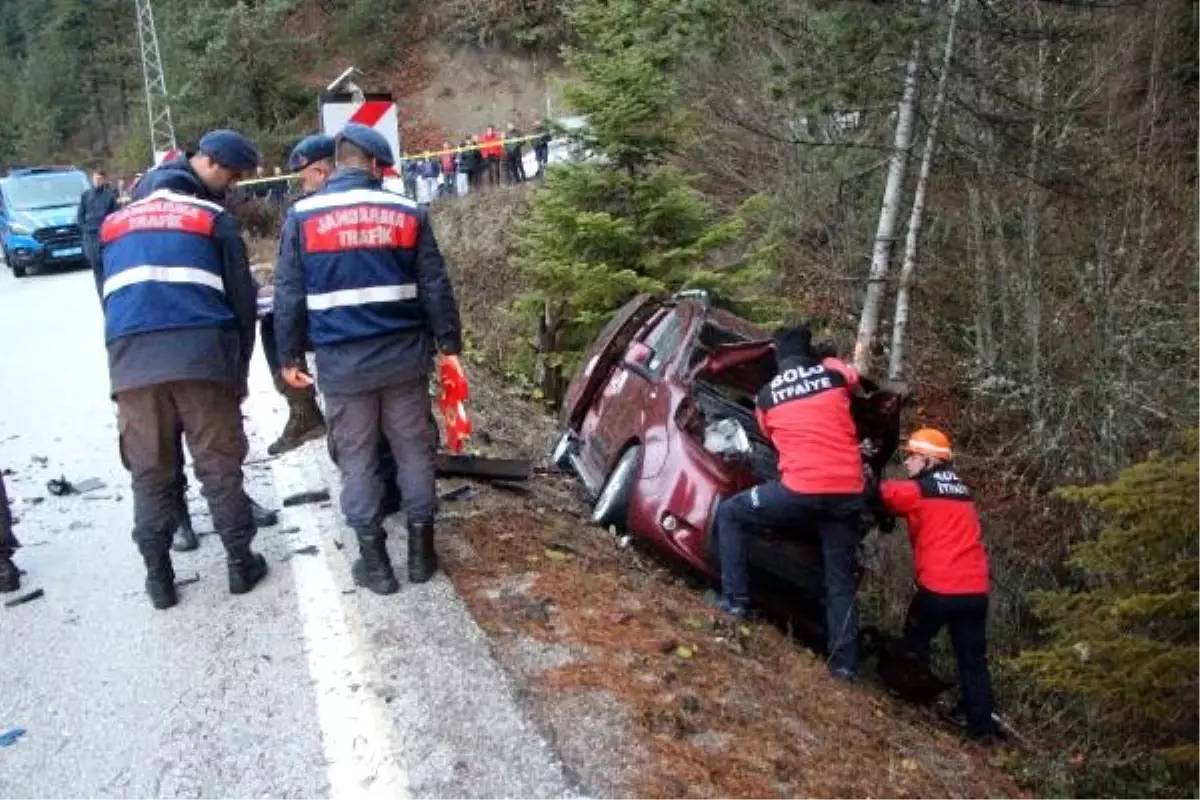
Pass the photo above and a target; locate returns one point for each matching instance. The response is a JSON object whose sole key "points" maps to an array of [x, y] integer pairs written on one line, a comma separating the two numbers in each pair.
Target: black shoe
{"points": [[10, 576], [263, 517], [246, 569], [373, 568], [160, 579], [185, 536], [422, 558]]}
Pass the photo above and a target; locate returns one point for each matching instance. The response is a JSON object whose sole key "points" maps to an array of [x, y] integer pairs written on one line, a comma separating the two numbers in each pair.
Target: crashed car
{"points": [[659, 424]]}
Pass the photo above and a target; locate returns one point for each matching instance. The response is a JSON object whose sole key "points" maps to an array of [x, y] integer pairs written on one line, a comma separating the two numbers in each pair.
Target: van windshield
{"points": [[50, 190]]}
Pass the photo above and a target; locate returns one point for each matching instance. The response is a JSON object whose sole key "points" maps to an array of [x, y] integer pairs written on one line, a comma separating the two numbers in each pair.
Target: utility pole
{"points": [[158, 108]]}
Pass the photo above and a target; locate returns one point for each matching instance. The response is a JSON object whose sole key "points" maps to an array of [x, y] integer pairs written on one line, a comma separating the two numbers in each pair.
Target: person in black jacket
{"points": [[514, 154], [96, 204]]}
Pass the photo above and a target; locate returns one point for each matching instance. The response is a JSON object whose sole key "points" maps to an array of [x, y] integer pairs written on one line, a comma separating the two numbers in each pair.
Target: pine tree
{"points": [[1124, 639], [599, 233]]}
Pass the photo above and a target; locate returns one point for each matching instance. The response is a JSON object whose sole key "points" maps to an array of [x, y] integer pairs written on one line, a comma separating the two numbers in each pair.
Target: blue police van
{"points": [[38, 226]]}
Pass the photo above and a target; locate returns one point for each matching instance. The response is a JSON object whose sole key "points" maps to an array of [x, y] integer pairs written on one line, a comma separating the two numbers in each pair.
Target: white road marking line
{"points": [[355, 730]]}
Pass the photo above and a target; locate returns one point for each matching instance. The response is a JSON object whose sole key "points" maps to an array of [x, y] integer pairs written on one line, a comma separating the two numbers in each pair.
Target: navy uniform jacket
{"points": [[360, 276], [218, 353]]}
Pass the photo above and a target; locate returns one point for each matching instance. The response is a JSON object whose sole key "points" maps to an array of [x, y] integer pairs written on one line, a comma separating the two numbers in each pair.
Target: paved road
{"points": [[303, 688]]}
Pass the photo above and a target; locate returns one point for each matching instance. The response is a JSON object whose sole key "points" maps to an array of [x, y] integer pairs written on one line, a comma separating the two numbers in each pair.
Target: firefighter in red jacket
{"points": [[805, 410], [951, 570]]}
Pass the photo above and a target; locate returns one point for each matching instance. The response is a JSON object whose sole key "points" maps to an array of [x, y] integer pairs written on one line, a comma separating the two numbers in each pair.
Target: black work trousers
{"points": [[966, 617], [210, 417], [774, 506]]}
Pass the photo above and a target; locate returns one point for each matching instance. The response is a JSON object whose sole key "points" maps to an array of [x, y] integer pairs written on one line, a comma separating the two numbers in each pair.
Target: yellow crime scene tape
{"points": [[406, 157]]}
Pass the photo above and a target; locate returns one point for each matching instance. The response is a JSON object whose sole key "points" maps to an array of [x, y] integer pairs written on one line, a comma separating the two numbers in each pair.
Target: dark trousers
{"points": [[966, 617], [266, 331], [516, 168], [209, 415], [358, 425], [774, 506], [493, 170], [8, 542]]}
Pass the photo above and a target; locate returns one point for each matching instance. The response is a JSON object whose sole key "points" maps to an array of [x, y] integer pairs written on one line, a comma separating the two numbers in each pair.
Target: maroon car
{"points": [[660, 425]]}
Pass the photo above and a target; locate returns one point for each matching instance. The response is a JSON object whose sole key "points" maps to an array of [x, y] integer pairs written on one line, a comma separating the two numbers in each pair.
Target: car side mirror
{"points": [[637, 359]]}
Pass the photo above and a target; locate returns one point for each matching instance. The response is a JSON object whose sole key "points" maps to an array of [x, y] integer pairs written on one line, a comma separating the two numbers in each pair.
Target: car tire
{"points": [[612, 504], [19, 272]]}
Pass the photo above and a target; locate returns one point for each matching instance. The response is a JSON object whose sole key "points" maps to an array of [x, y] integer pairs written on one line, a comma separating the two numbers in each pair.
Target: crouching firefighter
{"points": [[361, 277], [951, 567], [179, 318], [805, 411]]}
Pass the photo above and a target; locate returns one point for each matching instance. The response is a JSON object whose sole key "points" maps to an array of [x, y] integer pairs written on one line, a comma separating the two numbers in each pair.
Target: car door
{"points": [[628, 406], [605, 351]]}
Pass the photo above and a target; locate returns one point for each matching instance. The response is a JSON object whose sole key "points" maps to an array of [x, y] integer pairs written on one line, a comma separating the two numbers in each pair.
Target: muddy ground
{"points": [[642, 688]]}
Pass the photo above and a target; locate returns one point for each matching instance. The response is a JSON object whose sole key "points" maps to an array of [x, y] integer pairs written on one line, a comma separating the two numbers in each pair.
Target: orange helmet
{"points": [[930, 442]]}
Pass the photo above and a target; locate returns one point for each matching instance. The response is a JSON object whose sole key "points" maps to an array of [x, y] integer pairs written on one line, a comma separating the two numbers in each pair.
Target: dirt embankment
{"points": [[643, 689]]}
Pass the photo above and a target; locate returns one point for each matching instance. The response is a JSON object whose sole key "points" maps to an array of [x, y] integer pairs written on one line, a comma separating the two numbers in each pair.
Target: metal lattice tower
{"points": [[158, 108]]}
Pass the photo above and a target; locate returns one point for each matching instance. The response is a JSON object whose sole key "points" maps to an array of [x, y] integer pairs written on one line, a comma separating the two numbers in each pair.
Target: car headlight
{"points": [[23, 230]]}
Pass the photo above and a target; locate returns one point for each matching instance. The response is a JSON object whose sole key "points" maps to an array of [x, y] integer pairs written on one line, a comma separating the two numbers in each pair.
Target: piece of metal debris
{"points": [[310, 550], [41, 461], [89, 485], [504, 469], [188, 581], [304, 498], [9, 737], [60, 486], [25, 598], [457, 493], [291, 529]]}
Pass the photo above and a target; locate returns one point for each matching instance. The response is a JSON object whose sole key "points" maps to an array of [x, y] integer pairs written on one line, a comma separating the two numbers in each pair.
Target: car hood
{"points": [[751, 365], [56, 217]]}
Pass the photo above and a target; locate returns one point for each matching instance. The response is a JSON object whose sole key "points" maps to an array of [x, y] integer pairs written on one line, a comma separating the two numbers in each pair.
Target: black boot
{"points": [[373, 568], [10, 576], [160, 578], [263, 517], [184, 538], [246, 568], [422, 558], [304, 423]]}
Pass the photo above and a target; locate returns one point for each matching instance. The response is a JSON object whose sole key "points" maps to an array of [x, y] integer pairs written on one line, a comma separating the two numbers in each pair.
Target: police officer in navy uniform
{"points": [[178, 175], [179, 318], [312, 159], [360, 275]]}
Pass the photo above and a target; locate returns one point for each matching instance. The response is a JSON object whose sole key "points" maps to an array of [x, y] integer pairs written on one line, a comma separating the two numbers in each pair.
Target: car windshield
{"points": [[49, 190]]}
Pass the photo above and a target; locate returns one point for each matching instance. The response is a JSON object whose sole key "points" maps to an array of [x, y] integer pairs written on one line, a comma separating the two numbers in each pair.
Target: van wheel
{"points": [[18, 272], [612, 506]]}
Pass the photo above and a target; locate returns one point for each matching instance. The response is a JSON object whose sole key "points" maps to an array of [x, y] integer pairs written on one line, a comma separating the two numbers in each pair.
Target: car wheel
{"points": [[18, 272], [612, 506]]}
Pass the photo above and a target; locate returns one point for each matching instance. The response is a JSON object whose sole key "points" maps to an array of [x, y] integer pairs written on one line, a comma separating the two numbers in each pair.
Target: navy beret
{"points": [[230, 149], [370, 141], [310, 150]]}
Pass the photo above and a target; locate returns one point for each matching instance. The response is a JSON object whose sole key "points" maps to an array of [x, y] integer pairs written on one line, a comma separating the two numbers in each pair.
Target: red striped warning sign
{"points": [[378, 112]]}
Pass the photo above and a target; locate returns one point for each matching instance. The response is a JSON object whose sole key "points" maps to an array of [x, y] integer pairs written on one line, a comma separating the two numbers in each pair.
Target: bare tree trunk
{"points": [[985, 335], [549, 375], [889, 212], [912, 241], [1033, 267]]}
